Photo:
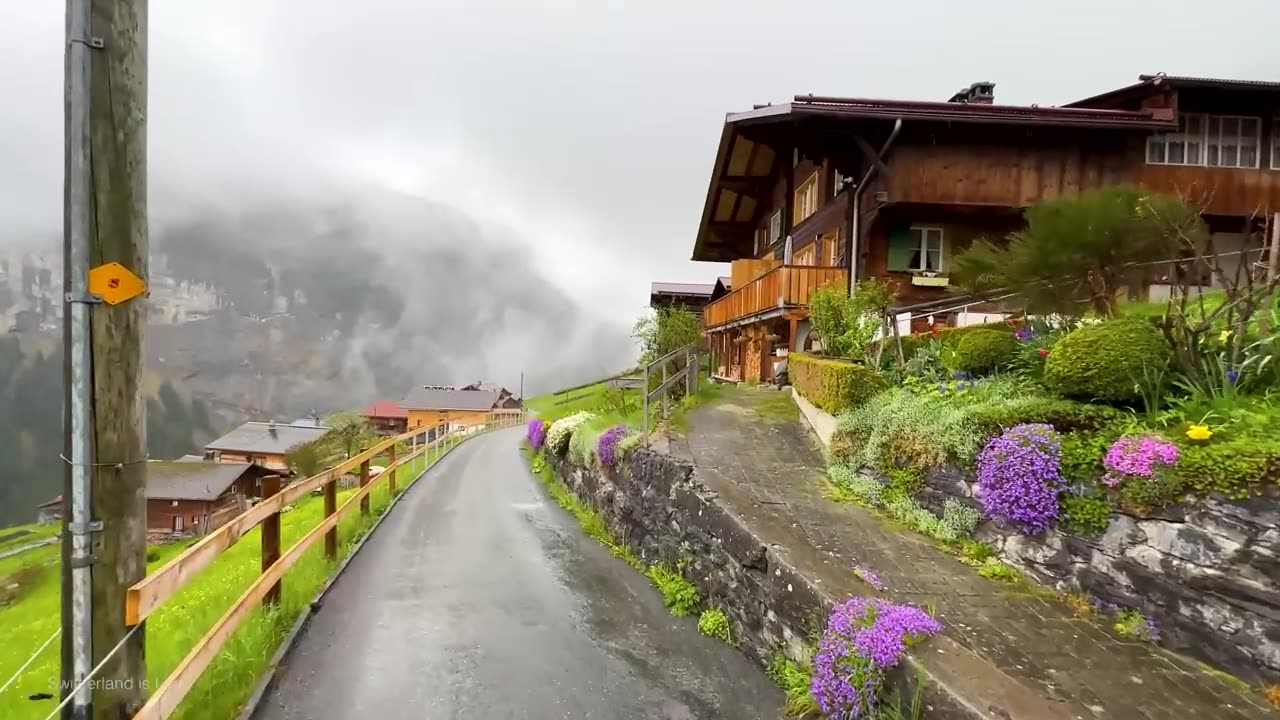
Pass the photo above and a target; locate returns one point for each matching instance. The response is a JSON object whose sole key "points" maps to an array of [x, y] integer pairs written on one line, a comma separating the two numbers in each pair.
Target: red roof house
{"points": [[387, 417]]}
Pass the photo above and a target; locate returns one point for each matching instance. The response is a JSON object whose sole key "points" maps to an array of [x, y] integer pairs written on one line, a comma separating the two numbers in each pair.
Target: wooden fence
{"points": [[149, 594]]}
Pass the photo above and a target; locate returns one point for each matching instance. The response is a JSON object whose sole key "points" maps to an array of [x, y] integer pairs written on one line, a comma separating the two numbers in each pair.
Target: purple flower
{"points": [[607, 446], [1233, 376], [1137, 457], [864, 639], [1153, 630], [1024, 333], [960, 375], [1019, 478], [868, 576], [536, 433]]}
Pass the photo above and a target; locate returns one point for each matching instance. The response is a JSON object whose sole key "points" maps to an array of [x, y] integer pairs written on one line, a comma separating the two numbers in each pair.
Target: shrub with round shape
{"points": [[1105, 361], [560, 431], [982, 351]]}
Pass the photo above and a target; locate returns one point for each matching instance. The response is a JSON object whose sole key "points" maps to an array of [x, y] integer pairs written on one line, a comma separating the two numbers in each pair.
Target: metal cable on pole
{"points": [[30, 660], [85, 682]]}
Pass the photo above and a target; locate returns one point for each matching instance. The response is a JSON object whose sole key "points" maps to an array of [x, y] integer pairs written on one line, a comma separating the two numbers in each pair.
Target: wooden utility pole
{"points": [[105, 228]]}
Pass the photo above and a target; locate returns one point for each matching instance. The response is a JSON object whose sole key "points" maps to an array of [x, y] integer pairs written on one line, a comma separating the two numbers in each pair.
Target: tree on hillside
{"points": [[1082, 249], [349, 430], [665, 330]]}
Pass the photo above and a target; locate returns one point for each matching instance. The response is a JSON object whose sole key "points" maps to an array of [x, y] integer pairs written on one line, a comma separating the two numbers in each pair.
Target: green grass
{"points": [[678, 594], [28, 534], [175, 628], [796, 681], [715, 623]]}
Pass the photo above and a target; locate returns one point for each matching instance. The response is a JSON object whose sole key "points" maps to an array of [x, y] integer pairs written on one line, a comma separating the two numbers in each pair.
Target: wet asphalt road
{"points": [[479, 598]]}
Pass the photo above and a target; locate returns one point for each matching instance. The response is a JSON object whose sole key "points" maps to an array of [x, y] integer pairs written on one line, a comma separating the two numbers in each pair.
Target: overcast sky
{"points": [[588, 128]]}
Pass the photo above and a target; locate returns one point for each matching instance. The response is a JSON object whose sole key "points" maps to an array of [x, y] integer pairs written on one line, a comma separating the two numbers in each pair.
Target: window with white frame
{"points": [[929, 255], [1233, 141], [1275, 143], [775, 227], [1230, 141], [1185, 146]]}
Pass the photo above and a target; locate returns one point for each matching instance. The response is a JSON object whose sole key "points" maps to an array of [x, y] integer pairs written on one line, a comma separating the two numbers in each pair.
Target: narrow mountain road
{"points": [[479, 598]]}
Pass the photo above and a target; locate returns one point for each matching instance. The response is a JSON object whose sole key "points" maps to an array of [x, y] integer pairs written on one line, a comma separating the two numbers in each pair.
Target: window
{"points": [[838, 182], [1183, 147], [775, 227], [1275, 143], [1233, 141], [177, 523], [1229, 141], [915, 249], [806, 200]]}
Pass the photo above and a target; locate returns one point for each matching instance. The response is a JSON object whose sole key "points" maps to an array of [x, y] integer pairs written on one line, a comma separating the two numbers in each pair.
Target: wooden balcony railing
{"points": [[786, 286]]}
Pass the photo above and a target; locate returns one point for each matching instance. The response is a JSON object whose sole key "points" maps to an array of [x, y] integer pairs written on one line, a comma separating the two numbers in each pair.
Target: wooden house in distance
{"points": [[262, 443], [826, 190], [458, 408], [387, 417], [194, 497], [691, 296]]}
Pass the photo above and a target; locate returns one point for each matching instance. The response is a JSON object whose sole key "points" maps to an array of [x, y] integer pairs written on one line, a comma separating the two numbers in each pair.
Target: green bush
{"points": [[679, 595], [833, 385], [1237, 466], [715, 623], [1085, 514], [1105, 361], [982, 351], [1065, 416], [948, 336], [899, 428]]}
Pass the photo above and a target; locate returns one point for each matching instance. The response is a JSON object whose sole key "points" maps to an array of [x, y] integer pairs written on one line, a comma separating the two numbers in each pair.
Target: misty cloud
{"points": [[550, 156]]}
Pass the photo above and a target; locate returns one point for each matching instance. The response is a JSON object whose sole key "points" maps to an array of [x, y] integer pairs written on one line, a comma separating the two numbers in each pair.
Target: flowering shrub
{"points": [[869, 576], [607, 447], [558, 435], [536, 433], [1019, 478], [864, 639], [1133, 457], [959, 519]]}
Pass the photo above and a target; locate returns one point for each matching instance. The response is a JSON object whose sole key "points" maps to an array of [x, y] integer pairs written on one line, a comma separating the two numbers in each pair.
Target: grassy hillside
{"points": [[33, 615]]}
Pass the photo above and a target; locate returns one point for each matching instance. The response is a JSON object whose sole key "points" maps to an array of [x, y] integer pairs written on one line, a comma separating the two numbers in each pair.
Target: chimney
{"points": [[982, 93]]}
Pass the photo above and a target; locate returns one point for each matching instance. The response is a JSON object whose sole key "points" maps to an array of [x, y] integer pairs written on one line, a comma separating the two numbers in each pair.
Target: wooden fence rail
{"points": [[154, 590]]}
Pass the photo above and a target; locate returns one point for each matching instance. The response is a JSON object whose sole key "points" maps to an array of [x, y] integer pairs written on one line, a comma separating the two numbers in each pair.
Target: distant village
{"points": [[195, 494]]}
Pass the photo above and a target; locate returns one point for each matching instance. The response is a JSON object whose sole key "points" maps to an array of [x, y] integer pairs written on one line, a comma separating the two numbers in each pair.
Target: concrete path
{"points": [[479, 598], [1002, 647]]}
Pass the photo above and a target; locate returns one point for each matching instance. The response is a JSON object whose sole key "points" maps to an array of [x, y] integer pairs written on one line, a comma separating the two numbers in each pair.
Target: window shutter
{"points": [[902, 245]]}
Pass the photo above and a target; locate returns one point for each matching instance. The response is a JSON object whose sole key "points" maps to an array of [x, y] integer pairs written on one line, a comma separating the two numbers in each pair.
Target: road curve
{"points": [[480, 598]]}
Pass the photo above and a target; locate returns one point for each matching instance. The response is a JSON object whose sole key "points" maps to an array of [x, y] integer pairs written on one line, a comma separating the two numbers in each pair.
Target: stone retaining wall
{"points": [[657, 506], [1209, 573]]}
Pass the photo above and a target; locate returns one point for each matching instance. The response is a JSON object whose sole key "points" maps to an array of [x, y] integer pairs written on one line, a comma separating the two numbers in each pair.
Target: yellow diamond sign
{"points": [[115, 283]]}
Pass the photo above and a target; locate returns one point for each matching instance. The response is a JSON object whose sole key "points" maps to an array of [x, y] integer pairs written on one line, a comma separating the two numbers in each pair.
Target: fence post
{"points": [[414, 450], [271, 536], [364, 480], [644, 390], [391, 470], [331, 507], [664, 391]]}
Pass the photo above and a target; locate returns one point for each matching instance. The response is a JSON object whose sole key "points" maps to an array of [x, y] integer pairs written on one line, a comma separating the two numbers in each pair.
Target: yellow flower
{"points": [[1199, 432], [1222, 338]]}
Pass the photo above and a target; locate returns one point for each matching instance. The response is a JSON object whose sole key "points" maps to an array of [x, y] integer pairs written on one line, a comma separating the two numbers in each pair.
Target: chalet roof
{"points": [[743, 164], [670, 288], [51, 503], [266, 438], [191, 480], [433, 398], [385, 409], [1147, 82], [723, 286]]}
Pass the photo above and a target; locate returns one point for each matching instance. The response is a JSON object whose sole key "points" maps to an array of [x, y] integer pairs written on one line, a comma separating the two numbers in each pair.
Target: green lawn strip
{"points": [[177, 625], [27, 535]]}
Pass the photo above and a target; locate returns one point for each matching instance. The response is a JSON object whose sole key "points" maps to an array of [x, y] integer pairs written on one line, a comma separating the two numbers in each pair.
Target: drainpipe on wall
{"points": [[855, 223]]}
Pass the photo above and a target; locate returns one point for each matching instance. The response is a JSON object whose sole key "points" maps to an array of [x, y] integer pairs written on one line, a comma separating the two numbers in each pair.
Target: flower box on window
{"points": [[930, 280]]}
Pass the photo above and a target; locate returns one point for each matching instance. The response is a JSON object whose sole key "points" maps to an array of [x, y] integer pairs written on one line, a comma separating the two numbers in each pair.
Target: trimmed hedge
{"points": [[982, 350], [831, 384], [949, 336], [1105, 361]]}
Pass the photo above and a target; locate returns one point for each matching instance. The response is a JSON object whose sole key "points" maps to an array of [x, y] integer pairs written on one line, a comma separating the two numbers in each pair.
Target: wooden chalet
{"points": [[691, 296], [830, 190]]}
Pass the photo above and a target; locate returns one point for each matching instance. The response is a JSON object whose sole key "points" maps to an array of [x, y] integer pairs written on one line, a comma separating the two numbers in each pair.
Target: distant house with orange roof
{"points": [[387, 417]]}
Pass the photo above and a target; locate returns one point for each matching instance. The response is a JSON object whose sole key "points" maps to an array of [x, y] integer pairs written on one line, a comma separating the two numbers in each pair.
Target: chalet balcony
{"points": [[771, 294]]}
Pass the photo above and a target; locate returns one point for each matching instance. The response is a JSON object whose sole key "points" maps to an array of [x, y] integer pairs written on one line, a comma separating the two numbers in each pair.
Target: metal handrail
{"points": [[689, 374]]}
